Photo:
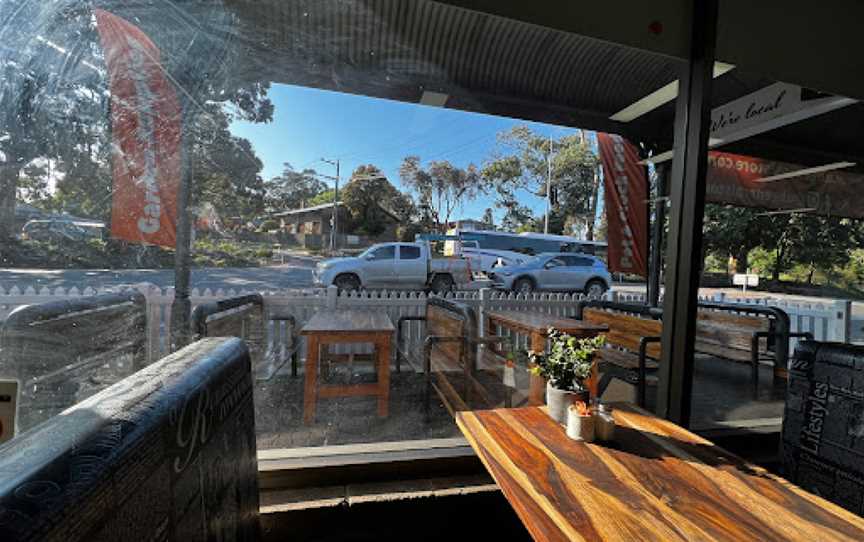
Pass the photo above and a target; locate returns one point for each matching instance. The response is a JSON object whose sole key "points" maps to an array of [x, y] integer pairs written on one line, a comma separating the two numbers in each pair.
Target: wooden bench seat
{"points": [[738, 333], [728, 335], [624, 359], [733, 336], [449, 358], [631, 352]]}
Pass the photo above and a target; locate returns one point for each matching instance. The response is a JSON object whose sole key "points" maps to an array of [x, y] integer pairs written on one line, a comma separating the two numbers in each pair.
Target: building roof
{"points": [[302, 210]]}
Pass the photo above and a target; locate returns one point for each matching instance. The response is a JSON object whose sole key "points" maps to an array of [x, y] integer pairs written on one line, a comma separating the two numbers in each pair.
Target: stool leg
{"points": [[383, 348], [310, 391]]}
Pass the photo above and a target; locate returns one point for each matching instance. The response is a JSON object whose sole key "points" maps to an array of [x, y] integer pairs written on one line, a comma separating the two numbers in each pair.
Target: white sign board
{"points": [[741, 279], [8, 405], [757, 107]]}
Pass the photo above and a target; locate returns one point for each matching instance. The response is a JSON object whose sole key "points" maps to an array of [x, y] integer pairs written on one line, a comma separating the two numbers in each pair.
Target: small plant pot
{"points": [[580, 427], [558, 401]]}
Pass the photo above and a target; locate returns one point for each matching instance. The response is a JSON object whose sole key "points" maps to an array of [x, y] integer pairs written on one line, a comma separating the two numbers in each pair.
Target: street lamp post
{"points": [[548, 186], [335, 214]]}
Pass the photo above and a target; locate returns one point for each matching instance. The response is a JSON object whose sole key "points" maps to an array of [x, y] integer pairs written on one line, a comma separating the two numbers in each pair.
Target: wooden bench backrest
{"points": [[625, 330], [444, 323], [728, 334]]}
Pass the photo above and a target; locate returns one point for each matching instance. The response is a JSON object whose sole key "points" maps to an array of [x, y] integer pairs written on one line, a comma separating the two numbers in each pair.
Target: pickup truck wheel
{"points": [[442, 284], [347, 282], [595, 289], [523, 286]]}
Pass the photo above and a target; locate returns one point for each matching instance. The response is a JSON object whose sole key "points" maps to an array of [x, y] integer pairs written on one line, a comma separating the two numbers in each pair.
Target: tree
{"points": [[523, 164], [326, 196], [488, 218], [293, 189], [227, 173], [49, 98], [517, 217], [816, 242], [732, 231], [441, 187], [372, 201], [821, 242], [54, 96], [33, 184]]}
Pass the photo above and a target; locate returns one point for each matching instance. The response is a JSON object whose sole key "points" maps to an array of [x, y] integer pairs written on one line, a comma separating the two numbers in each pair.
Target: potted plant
{"points": [[566, 369]]}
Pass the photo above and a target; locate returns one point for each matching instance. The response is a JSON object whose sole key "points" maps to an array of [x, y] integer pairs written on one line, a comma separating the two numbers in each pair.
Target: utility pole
{"points": [[335, 213], [181, 307], [548, 186]]}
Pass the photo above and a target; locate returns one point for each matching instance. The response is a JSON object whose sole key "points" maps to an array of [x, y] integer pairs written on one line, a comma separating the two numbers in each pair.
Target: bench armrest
{"points": [[294, 341], [643, 370], [399, 323], [754, 342], [404, 319]]}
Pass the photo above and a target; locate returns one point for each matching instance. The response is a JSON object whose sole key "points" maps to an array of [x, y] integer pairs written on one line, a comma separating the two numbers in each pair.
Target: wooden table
{"points": [[656, 481], [536, 326], [347, 326]]}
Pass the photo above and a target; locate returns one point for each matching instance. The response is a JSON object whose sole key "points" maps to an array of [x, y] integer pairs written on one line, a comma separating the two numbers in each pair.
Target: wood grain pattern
{"points": [[728, 335], [346, 321], [657, 481], [531, 322], [625, 330], [443, 323]]}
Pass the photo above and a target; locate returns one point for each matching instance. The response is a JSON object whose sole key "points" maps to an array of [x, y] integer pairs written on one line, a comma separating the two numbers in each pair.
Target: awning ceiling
{"points": [[489, 64]]}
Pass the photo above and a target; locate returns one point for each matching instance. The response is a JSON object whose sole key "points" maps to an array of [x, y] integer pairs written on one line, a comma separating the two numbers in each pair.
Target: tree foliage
{"points": [[440, 188], [488, 218], [731, 231], [293, 189], [55, 100], [788, 239], [522, 164], [373, 202]]}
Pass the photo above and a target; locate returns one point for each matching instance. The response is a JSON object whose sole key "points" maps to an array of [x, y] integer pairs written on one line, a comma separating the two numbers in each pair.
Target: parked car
{"points": [[53, 230], [394, 265], [565, 272]]}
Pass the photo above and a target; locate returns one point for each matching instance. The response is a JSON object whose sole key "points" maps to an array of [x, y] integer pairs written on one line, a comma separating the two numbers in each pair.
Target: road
{"points": [[297, 274], [253, 278]]}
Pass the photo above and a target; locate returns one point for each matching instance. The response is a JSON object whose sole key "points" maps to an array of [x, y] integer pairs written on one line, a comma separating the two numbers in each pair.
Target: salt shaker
{"points": [[604, 423]]}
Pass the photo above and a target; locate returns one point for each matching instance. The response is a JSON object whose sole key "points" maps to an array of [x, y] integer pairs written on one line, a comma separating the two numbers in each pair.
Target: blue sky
{"points": [[310, 124]]}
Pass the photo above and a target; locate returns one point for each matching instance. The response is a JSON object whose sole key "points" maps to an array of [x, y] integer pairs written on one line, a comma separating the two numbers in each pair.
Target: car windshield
{"points": [[367, 252]]}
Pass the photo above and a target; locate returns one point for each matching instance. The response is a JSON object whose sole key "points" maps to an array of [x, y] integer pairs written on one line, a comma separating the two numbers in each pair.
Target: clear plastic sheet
{"points": [[109, 111]]}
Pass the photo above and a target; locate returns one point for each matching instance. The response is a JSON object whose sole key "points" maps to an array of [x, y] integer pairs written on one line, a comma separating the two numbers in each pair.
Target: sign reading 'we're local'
{"points": [[765, 104]]}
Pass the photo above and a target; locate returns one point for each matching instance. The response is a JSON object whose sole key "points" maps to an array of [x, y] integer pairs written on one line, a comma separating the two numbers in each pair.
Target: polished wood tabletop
{"points": [[655, 481], [533, 322], [349, 321]]}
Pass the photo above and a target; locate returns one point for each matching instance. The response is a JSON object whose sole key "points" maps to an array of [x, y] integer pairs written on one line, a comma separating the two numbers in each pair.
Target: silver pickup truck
{"points": [[406, 266]]}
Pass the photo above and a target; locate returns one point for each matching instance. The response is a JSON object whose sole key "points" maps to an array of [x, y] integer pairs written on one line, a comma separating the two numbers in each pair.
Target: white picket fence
{"points": [[827, 321]]}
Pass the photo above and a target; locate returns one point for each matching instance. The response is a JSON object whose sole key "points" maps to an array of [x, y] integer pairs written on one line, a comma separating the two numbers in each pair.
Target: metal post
{"points": [[333, 231], [548, 186], [655, 266], [181, 308], [335, 209], [687, 194]]}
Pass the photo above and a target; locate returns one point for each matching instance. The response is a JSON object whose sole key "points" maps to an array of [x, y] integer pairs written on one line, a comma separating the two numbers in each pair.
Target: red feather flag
{"points": [[146, 122]]}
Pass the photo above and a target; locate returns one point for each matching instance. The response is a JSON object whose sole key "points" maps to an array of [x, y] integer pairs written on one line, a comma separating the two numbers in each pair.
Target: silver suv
{"points": [[565, 272]]}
